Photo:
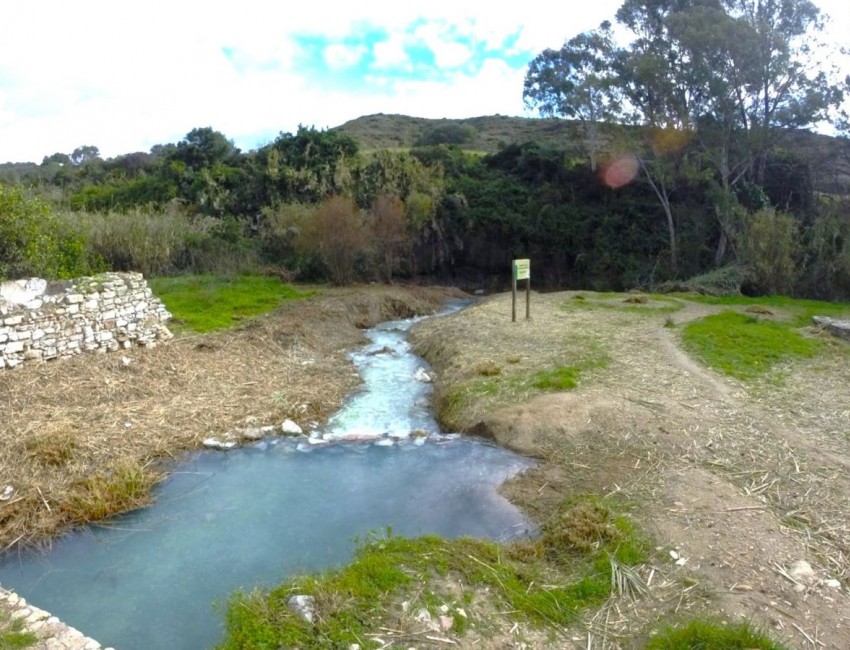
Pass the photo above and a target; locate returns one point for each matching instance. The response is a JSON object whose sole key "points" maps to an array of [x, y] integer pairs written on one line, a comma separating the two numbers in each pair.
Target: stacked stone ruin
{"points": [[42, 320]]}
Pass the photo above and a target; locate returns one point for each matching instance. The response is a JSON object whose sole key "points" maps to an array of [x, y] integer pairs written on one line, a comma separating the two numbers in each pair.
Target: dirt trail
{"points": [[739, 482]]}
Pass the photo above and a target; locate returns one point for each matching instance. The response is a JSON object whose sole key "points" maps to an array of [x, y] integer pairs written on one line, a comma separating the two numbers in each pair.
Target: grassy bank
{"points": [[205, 303], [395, 586]]}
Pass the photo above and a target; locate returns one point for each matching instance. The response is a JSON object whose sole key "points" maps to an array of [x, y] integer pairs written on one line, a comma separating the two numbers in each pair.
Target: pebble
{"points": [[833, 583], [303, 606], [802, 571]]}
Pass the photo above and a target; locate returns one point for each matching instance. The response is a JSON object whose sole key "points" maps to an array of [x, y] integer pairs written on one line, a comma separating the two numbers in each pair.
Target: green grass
{"points": [[706, 635], [579, 550], [568, 377], [801, 311], [745, 347], [513, 384], [611, 301], [205, 303], [13, 635]]}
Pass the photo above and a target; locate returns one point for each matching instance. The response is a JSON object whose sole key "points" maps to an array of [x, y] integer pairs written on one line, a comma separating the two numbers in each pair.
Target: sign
{"points": [[522, 269]]}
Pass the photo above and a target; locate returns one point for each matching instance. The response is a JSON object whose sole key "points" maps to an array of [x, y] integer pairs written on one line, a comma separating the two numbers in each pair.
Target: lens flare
{"points": [[620, 171]]}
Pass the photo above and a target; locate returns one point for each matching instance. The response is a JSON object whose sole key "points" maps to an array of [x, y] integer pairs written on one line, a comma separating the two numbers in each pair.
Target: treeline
{"points": [[312, 206]]}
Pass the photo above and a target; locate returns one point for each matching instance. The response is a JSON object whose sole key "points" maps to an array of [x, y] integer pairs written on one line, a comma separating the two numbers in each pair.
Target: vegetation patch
{"points": [[204, 303], [12, 633], [97, 497], [631, 303], [743, 346], [800, 311], [546, 581], [709, 635]]}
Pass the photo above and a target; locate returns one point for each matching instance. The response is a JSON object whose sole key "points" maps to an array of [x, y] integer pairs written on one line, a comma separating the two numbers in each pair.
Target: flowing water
{"points": [[255, 515]]}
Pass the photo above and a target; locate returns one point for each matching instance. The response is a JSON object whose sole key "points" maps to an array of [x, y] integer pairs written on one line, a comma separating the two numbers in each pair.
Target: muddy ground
{"points": [[735, 482]]}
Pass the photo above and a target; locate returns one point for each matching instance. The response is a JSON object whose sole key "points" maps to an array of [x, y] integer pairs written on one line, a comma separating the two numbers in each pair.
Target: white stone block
{"points": [[13, 347], [74, 298]]}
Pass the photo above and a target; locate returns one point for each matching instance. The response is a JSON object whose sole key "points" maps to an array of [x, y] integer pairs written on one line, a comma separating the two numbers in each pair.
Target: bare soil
{"points": [[736, 483]]}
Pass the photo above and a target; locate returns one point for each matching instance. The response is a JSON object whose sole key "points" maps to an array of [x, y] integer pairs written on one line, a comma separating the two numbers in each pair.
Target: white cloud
{"points": [[339, 56], [441, 40], [391, 53]]}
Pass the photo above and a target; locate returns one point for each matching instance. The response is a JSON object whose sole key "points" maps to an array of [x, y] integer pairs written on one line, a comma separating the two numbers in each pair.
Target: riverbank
{"points": [[743, 484], [88, 437]]}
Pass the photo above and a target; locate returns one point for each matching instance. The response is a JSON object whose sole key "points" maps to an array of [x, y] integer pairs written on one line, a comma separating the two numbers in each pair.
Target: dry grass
{"points": [[86, 438], [779, 443]]}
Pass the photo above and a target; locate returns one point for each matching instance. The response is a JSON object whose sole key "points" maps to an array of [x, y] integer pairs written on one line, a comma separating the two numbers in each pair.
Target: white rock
{"points": [[221, 445], [303, 606], [422, 376], [290, 428], [802, 571], [446, 623], [423, 616], [317, 441], [7, 493], [674, 555], [833, 583], [252, 433], [385, 442]]}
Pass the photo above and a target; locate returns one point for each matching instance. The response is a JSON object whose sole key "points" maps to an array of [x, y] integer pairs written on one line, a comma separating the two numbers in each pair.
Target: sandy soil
{"points": [[735, 482]]}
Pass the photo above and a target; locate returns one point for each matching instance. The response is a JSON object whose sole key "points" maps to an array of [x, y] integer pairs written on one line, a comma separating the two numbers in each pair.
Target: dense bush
{"points": [[34, 242]]}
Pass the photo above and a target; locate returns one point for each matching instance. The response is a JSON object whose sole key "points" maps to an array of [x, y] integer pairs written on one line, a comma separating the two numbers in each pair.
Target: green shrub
{"points": [[698, 635], [34, 242]]}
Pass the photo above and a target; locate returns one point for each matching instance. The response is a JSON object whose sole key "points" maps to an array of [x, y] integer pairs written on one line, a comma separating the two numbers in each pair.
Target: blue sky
{"points": [[124, 77]]}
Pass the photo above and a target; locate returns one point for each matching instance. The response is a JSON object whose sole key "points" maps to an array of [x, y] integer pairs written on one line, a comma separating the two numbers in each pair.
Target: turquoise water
{"points": [[252, 516]]}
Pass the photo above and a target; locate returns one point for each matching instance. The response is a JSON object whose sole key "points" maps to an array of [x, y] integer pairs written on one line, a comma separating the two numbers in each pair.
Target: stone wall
{"points": [[42, 320]]}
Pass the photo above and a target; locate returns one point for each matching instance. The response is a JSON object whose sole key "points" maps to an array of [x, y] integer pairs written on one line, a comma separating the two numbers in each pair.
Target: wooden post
{"points": [[513, 294], [521, 270]]}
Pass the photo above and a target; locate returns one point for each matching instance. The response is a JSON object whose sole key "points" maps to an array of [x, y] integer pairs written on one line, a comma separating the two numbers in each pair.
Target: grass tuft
{"points": [[13, 635], [102, 495], [205, 303], [745, 347], [707, 635]]}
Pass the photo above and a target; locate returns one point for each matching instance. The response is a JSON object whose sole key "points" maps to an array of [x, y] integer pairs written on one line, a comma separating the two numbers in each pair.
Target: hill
{"points": [[487, 133], [828, 157]]}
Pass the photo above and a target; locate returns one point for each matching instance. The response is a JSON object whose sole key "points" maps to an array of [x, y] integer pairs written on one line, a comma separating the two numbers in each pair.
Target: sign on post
{"points": [[521, 270]]}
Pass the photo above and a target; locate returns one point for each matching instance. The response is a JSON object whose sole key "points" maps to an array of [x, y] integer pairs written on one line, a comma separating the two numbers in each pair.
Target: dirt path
{"points": [[738, 482]]}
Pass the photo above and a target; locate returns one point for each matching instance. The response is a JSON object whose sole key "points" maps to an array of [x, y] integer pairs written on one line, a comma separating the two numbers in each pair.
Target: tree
{"points": [[204, 148], [84, 154], [575, 82], [391, 237], [335, 233]]}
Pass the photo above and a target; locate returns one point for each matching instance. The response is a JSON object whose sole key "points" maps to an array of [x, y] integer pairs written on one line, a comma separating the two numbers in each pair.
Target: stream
{"points": [[160, 577]]}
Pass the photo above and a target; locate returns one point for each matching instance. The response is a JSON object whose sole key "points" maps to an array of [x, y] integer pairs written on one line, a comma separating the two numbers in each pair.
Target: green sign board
{"points": [[522, 269]]}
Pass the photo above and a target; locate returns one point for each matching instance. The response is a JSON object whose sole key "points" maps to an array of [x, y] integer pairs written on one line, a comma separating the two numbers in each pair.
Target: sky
{"points": [[126, 76]]}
